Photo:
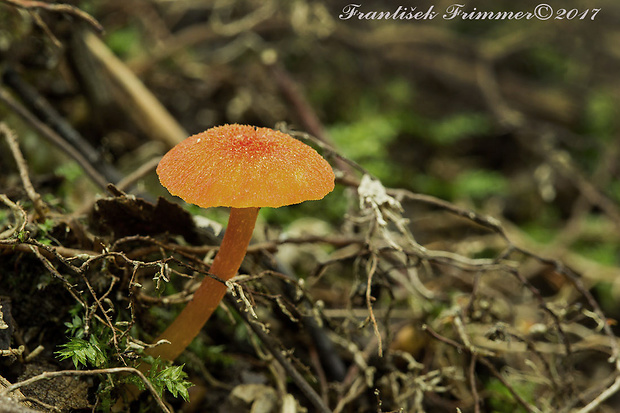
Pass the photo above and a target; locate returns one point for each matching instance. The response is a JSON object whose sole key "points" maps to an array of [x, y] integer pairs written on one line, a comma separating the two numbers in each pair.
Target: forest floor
{"points": [[467, 259]]}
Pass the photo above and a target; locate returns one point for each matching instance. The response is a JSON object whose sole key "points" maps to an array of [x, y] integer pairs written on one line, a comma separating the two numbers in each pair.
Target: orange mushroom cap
{"points": [[242, 166]]}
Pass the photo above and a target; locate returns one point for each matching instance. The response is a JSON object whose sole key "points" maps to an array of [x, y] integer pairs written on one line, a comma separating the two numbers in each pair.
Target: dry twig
{"points": [[57, 8], [116, 370], [11, 139]]}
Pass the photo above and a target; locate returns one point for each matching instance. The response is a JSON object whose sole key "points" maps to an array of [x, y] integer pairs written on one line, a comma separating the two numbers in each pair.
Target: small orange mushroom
{"points": [[245, 168]]}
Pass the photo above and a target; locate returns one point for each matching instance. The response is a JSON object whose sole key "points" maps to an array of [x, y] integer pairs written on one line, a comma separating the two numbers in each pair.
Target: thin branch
{"points": [[488, 364], [610, 391], [143, 170], [39, 106], [507, 385], [369, 300], [115, 370], [472, 382], [53, 137], [277, 352], [57, 8], [11, 139], [21, 218]]}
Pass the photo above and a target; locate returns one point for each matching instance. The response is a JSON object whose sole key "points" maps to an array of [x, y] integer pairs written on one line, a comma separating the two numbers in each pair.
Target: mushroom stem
{"points": [[189, 322]]}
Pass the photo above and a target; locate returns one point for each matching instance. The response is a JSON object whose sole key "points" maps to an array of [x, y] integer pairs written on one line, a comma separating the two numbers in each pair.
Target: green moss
{"points": [[124, 42], [480, 183], [601, 115], [366, 138], [453, 128], [605, 253], [551, 65]]}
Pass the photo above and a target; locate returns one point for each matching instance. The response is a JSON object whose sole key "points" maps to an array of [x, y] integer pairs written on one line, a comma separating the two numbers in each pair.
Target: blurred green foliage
{"points": [[601, 115], [125, 42], [606, 296], [367, 140], [549, 65], [501, 399], [452, 128], [479, 184]]}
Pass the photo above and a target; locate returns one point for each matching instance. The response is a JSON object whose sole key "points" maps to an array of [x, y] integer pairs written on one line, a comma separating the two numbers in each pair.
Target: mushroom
{"points": [[244, 168]]}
